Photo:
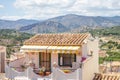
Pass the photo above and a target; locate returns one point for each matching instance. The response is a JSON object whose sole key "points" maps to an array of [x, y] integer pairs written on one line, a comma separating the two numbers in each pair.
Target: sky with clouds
{"points": [[43, 9]]}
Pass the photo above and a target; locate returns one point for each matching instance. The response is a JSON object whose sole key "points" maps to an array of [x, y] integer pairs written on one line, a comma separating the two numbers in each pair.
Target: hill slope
{"points": [[44, 27], [115, 31], [7, 24], [71, 23], [12, 39]]}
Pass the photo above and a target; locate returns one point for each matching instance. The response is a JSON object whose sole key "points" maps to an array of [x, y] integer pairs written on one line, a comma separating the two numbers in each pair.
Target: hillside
{"points": [[107, 34], [65, 23], [8, 24], [44, 27], [72, 20], [109, 42], [106, 31], [12, 40], [71, 23]]}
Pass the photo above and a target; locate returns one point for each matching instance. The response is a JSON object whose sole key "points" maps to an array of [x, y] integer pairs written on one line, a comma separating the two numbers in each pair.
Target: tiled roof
{"points": [[99, 76], [57, 39]]}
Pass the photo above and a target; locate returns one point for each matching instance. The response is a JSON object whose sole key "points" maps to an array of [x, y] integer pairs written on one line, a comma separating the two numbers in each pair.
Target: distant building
{"points": [[102, 53], [2, 58]]}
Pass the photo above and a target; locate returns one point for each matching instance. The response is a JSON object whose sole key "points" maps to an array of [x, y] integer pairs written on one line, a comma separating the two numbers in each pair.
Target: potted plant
{"points": [[42, 71]]}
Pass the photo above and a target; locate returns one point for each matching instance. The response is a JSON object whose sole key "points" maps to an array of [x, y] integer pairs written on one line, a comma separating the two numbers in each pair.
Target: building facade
{"points": [[65, 51]]}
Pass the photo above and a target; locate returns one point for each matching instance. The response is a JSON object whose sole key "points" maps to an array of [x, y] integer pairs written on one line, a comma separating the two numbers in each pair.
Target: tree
{"points": [[118, 47]]}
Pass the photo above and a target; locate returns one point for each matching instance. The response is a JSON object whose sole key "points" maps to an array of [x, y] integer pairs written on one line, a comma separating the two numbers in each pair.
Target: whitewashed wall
{"points": [[84, 50], [17, 63], [58, 74], [26, 60], [78, 58], [90, 66], [34, 57]]}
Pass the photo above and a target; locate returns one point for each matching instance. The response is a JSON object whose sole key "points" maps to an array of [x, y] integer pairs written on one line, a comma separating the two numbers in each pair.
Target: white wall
{"points": [[78, 58], [17, 63], [33, 57], [90, 66], [84, 50]]}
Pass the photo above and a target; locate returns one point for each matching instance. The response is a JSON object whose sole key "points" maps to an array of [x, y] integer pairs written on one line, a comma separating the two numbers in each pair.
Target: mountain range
{"points": [[9, 24], [66, 23]]}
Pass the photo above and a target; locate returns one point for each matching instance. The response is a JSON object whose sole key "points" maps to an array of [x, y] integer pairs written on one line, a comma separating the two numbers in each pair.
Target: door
{"points": [[45, 60]]}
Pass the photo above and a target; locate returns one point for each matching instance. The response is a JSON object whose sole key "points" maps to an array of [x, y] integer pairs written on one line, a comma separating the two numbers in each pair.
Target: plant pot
{"points": [[47, 73], [41, 73]]}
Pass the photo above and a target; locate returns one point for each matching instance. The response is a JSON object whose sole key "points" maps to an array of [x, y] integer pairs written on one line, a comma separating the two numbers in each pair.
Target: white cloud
{"points": [[51, 8], [96, 7], [25, 4], [43, 9], [1, 6]]}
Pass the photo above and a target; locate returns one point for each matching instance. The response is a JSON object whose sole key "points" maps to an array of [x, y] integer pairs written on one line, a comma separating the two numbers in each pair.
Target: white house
{"points": [[66, 51]]}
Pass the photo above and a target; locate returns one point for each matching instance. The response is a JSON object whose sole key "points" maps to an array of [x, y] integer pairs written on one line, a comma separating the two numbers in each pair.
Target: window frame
{"points": [[62, 54]]}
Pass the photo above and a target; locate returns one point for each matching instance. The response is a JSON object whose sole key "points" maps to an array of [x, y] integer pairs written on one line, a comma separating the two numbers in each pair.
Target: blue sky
{"points": [[8, 8], [43, 9]]}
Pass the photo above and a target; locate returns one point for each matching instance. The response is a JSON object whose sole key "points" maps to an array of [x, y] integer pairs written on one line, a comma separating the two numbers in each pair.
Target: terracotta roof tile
{"points": [[57, 39], [99, 76]]}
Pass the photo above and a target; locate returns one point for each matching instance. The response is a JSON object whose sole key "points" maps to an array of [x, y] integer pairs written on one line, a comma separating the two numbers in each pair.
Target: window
{"points": [[66, 59], [45, 60]]}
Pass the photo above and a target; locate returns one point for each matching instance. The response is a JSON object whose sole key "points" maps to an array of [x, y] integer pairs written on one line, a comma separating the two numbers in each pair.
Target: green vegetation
{"points": [[12, 34], [110, 43], [112, 56], [101, 60], [12, 39], [113, 51], [106, 31]]}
